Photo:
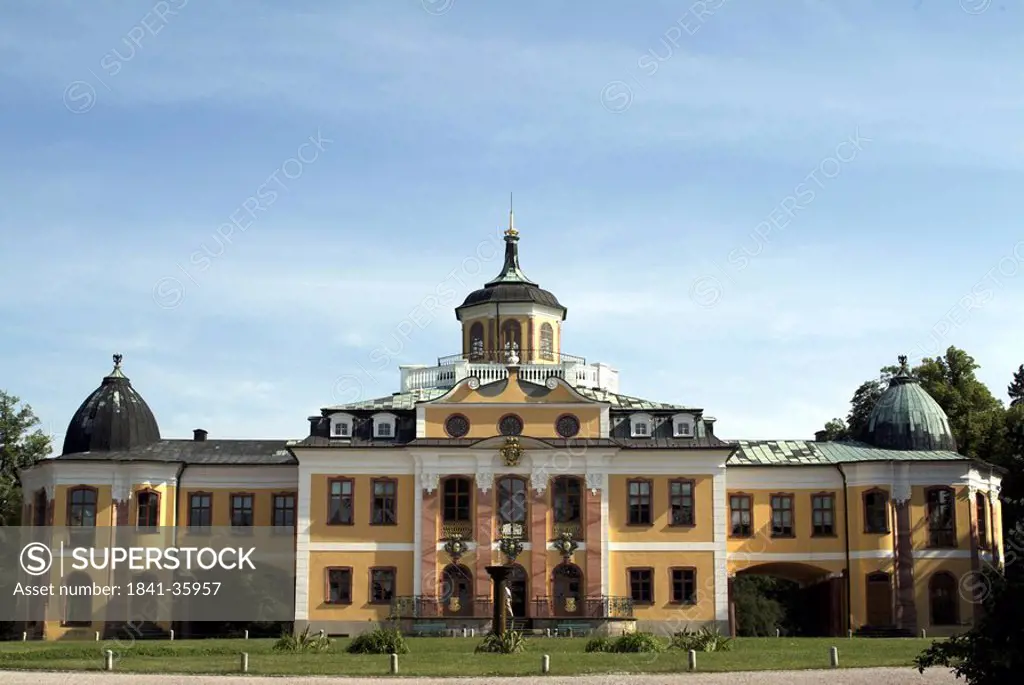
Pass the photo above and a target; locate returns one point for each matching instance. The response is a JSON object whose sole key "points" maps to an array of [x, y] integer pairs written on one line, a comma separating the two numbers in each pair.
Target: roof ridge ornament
{"points": [[511, 232], [117, 372]]}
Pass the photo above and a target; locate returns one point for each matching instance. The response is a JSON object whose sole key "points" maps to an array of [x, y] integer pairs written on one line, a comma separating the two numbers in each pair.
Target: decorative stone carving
{"points": [[511, 451], [566, 545], [595, 482], [121, 491], [473, 383], [429, 481], [511, 547], [485, 480], [551, 382], [48, 487], [512, 353], [455, 547], [901, 490], [539, 480]]}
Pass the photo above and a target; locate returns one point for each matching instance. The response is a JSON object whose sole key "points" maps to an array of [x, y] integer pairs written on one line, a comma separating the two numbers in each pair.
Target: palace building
{"points": [[617, 513]]}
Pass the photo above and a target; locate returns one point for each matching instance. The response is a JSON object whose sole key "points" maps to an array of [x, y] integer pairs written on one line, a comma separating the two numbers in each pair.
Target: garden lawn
{"points": [[450, 657]]}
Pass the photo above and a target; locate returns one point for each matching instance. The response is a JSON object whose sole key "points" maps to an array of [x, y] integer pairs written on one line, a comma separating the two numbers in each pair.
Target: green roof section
{"points": [[810, 453]]}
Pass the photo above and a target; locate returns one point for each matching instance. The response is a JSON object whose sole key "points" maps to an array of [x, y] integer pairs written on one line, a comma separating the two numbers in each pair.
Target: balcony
{"points": [[492, 366], [575, 528], [587, 607], [421, 606], [462, 529]]}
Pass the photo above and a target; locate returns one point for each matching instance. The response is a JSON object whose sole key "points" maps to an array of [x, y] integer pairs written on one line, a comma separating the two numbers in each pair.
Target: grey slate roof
{"points": [[806, 452], [709, 442], [207, 452]]}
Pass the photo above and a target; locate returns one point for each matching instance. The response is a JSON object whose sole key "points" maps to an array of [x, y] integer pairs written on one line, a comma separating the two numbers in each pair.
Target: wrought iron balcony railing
{"points": [[424, 606], [584, 607], [575, 528], [462, 529]]}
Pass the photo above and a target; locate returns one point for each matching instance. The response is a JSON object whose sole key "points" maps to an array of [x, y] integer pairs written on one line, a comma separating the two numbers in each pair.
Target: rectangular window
{"points": [[982, 521], [382, 585], [148, 512], [457, 500], [340, 430], [782, 516], [339, 586], [680, 495], [284, 511], [682, 429], [639, 502], [566, 500], [876, 512], [384, 430], [823, 514], [641, 585], [740, 516], [340, 502], [641, 429], [241, 510], [200, 510], [385, 503], [684, 586], [941, 518]]}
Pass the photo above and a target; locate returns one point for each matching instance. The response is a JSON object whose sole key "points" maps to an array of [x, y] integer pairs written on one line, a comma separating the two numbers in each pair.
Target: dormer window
{"points": [[341, 425], [384, 425], [682, 426], [641, 426]]}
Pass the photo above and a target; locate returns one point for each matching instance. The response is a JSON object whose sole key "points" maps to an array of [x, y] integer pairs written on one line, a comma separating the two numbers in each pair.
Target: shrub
{"points": [[289, 642], [379, 641], [511, 642], [600, 644], [639, 642], [704, 640]]}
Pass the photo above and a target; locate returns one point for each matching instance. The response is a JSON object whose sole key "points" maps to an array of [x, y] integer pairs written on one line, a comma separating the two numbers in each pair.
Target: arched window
{"points": [[512, 507], [476, 341], [982, 510], [876, 511], [943, 599], [567, 506], [148, 512], [547, 342], [511, 332], [82, 507], [941, 517], [77, 593]]}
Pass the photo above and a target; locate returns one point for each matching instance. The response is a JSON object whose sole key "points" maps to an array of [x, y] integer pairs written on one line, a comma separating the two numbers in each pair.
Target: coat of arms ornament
{"points": [[511, 451]]}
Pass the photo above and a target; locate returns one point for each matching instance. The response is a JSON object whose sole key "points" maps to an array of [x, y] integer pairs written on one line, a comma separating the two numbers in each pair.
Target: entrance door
{"points": [[568, 584], [879, 599], [457, 591]]}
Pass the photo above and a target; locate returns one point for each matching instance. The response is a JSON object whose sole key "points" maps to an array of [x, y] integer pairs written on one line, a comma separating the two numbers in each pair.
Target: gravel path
{"points": [[857, 676]]}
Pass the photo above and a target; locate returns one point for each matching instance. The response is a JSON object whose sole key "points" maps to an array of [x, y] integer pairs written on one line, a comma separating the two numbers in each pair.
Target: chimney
{"points": [[820, 436], [199, 435]]}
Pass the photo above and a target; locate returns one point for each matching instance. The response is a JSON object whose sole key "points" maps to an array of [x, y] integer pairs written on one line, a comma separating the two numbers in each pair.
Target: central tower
{"points": [[511, 311]]}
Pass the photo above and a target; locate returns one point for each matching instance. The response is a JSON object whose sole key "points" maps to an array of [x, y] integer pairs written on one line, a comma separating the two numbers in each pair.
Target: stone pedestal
{"points": [[499, 575]]}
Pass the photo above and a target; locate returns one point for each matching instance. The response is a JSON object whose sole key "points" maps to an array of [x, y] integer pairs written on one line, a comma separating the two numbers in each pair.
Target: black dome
{"points": [[512, 292], [113, 418]]}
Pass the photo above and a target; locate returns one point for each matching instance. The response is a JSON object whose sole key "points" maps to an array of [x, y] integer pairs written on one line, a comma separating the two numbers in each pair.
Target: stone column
{"points": [[732, 608], [995, 526], [485, 502], [592, 534], [428, 541], [539, 535], [906, 607]]}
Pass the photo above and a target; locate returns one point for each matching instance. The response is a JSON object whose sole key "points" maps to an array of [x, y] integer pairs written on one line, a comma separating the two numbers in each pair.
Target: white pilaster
{"points": [[302, 515], [720, 507]]}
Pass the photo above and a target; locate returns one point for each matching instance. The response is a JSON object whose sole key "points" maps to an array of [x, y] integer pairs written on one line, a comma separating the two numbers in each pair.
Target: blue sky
{"points": [[749, 207]]}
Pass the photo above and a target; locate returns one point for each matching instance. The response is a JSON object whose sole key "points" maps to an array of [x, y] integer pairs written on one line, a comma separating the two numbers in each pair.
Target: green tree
{"points": [[1016, 389], [20, 447], [834, 430]]}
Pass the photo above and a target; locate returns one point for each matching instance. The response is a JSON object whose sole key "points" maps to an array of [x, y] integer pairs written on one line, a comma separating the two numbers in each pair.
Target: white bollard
{"points": [[244, 666], [569, 632], [833, 657], [923, 633], [545, 664], [108, 660], [98, 636], [394, 664], [547, 632], [472, 632], [246, 636], [24, 637], [172, 634], [321, 633], [849, 634], [692, 659], [778, 632], [465, 632]]}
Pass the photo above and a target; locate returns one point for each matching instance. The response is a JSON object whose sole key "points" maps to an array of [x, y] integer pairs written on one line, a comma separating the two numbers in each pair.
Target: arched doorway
{"points": [[878, 598], [943, 599], [567, 589], [798, 598], [456, 591], [519, 587]]}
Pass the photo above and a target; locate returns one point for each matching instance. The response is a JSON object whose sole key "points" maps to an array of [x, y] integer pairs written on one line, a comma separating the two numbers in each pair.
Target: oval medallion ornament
{"points": [[456, 426], [473, 383], [568, 426], [510, 425], [551, 382]]}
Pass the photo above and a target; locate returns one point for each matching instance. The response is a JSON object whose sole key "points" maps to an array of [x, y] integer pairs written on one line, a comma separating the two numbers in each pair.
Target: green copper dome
{"points": [[907, 418]]}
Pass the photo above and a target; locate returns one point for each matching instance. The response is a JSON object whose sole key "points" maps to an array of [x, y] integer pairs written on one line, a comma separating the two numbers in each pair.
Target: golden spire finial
{"points": [[511, 219]]}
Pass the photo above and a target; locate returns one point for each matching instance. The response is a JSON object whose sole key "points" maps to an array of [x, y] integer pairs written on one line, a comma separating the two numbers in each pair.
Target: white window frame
{"points": [[385, 419], [638, 419], [688, 421], [342, 419]]}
